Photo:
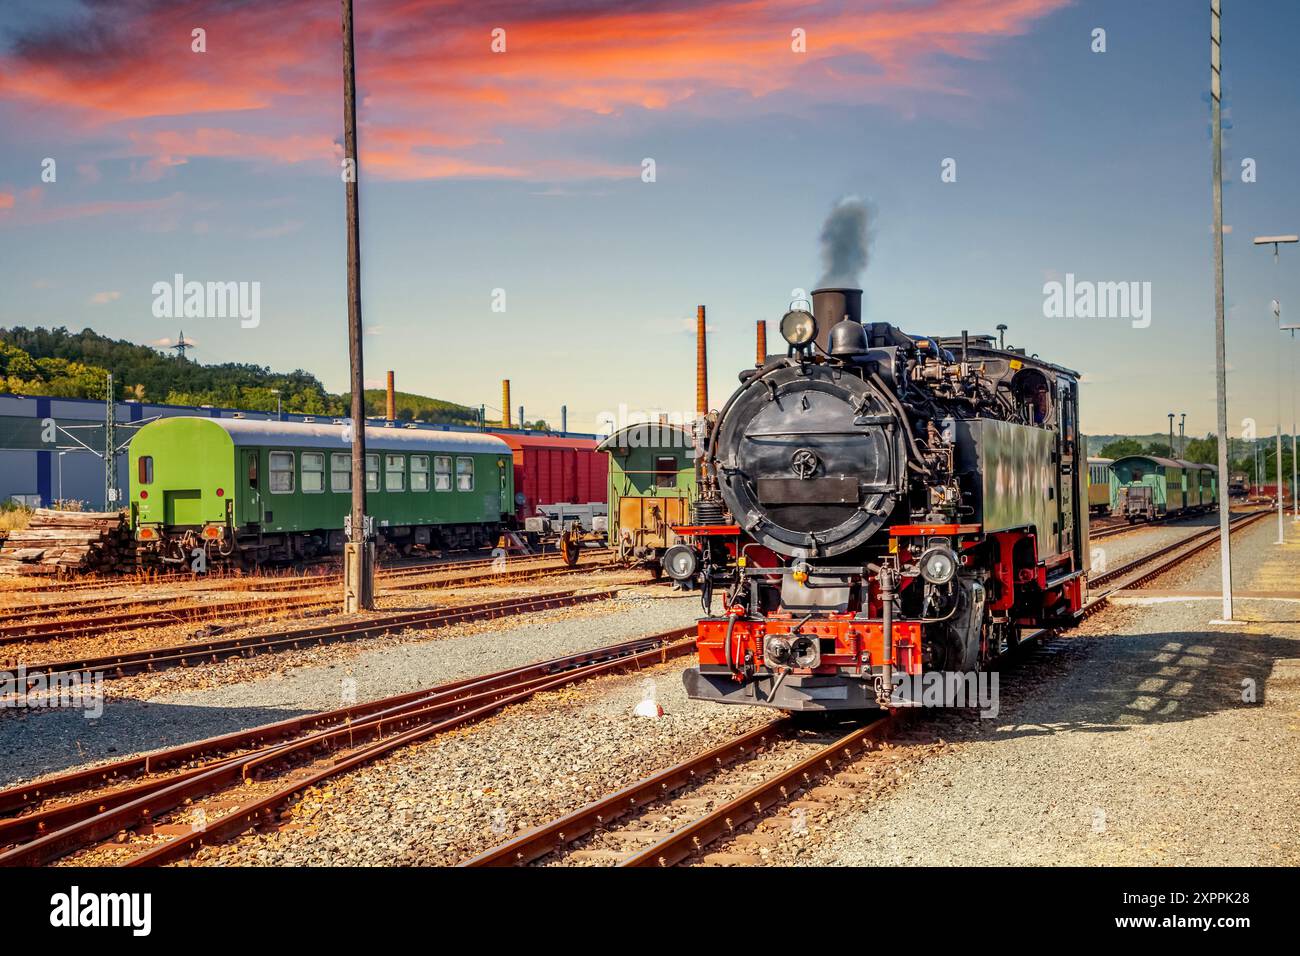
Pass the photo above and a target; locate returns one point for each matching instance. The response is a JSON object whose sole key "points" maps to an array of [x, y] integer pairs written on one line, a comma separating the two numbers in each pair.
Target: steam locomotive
{"points": [[874, 504]]}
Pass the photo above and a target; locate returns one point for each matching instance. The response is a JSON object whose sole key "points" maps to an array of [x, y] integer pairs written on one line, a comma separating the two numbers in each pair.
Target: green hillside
{"points": [[66, 364]]}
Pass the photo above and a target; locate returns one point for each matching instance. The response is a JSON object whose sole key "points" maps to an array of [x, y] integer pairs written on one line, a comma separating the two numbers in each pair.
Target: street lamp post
{"points": [[1276, 242], [1182, 435], [1172, 452]]}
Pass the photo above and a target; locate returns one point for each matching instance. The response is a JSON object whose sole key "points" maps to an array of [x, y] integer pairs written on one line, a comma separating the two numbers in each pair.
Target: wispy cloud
{"points": [[438, 103], [103, 298]]}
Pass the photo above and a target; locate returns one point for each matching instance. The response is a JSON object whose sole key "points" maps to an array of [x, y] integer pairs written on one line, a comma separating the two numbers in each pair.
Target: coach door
{"points": [[251, 480]]}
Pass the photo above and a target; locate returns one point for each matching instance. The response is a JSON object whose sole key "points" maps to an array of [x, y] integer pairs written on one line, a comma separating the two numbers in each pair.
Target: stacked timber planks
{"points": [[68, 542]]}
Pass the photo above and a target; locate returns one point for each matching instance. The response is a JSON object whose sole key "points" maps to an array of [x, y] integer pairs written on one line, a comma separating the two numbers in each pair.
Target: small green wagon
{"points": [[651, 485]]}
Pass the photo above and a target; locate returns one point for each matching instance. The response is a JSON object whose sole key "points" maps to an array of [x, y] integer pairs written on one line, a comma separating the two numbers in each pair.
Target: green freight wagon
{"points": [[261, 491], [651, 485]]}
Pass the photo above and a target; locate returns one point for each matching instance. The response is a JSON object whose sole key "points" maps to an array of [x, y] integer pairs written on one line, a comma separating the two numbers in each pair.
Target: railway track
{"points": [[208, 652], [675, 814], [288, 580], [118, 615], [656, 822], [162, 807], [225, 785]]}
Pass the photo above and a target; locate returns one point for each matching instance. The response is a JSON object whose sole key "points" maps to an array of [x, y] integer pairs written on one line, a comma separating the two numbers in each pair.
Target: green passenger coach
{"points": [[256, 491]]}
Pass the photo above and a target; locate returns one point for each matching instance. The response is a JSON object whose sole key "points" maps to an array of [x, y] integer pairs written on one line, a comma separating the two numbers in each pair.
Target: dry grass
{"points": [[14, 519]]}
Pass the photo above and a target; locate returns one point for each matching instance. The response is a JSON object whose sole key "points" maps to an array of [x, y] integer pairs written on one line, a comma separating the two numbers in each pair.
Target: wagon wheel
{"points": [[624, 548], [569, 549]]}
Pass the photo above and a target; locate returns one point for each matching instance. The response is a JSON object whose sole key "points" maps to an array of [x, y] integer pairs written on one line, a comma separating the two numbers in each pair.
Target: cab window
{"points": [[144, 470], [666, 472]]}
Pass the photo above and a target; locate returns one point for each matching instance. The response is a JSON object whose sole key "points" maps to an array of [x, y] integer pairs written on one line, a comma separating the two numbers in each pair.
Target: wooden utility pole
{"points": [[359, 552]]}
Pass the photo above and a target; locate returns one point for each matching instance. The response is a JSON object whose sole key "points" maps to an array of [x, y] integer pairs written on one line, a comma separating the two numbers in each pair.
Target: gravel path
{"points": [[188, 704], [1131, 745]]}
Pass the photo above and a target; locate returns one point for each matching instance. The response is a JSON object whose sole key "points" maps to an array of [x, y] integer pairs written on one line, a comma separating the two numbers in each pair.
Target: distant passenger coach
{"points": [[1144, 487]]}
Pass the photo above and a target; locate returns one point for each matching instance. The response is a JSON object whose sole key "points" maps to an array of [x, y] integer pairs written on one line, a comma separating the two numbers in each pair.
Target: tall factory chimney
{"points": [[390, 413], [564, 419], [760, 343], [701, 366], [521, 417], [505, 403]]}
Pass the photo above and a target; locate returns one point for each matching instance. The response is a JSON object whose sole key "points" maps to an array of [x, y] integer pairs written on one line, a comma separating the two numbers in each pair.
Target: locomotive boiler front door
{"points": [[250, 502]]}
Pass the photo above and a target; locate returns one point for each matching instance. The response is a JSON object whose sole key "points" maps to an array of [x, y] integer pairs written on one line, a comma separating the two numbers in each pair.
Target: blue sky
{"points": [[1068, 161]]}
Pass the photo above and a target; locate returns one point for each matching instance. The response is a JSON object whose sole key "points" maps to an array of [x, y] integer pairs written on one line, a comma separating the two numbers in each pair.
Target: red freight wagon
{"points": [[550, 470]]}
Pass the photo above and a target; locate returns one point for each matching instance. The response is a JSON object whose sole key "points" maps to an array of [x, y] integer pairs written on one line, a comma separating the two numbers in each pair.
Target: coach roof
{"points": [[245, 431]]}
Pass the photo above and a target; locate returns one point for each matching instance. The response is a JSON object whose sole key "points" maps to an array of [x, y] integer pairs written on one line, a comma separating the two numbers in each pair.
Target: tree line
{"points": [[63, 364]]}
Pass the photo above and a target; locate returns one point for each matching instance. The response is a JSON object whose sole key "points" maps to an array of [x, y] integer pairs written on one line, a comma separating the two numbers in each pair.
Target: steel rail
{"points": [[28, 795], [95, 819], [726, 819], [185, 655], [480, 706], [547, 838]]}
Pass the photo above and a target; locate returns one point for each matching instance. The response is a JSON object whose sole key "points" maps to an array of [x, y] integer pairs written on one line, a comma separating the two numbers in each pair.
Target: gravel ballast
{"points": [[170, 709], [1131, 745]]}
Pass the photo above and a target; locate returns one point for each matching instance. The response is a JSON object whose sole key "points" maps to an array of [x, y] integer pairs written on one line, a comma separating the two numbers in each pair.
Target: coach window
{"points": [[313, 472], [419, 472], [394, 472], [441, 473], [340, 472], [464, 474], [281, 472], [144, 469], [666, 472], [372, 472]]}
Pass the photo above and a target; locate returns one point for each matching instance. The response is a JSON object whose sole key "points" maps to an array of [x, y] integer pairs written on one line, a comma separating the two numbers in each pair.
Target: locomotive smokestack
{"points": [[760, 343], [390, 410], [701, 366], [835, 305], [505, 403]]}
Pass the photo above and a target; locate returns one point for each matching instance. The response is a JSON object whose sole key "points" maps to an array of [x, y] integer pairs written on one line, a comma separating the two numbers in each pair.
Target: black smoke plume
{"points": [[845, 238]]}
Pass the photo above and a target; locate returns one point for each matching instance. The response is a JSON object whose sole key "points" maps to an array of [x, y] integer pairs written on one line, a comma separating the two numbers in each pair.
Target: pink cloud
{"points": [[438, 103]]}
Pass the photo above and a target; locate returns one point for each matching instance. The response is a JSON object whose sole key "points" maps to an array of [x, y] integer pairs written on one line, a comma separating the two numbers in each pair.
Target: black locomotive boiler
{"points": [[876, 504]]}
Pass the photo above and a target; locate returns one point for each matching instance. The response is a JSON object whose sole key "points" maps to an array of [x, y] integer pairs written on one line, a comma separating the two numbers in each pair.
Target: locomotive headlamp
{"points": [[776, 650], [680, 562], [805, 652], [938, 565], [798, 327]]}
